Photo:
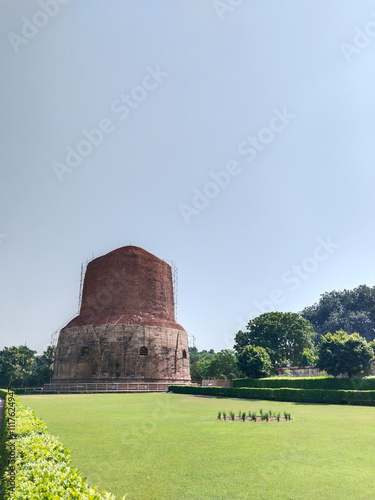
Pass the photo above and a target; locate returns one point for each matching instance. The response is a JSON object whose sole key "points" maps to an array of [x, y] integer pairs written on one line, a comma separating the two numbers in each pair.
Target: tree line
{"points": [[336, 335], [22, 367]]}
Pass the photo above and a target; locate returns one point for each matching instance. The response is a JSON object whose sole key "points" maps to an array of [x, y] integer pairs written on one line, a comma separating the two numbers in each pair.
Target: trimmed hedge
{"points": [[23, 390], [42, 464], [3, 394], [366, 398], [353, 384]]}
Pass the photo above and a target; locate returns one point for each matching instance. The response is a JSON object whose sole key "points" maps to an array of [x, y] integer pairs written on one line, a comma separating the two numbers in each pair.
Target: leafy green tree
{"points": [[193, 351], [223, 365], [200, 370], [20, 367], [43, 367], [197, 356], [16, 366], [255, 362], [347, 310], [283, 335], [208, 364], [199, 362], [340, 353], [308, 358]]}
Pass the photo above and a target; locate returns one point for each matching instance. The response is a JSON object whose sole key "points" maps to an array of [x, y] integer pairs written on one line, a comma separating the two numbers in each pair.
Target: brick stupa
{"points": [[126, 330]]}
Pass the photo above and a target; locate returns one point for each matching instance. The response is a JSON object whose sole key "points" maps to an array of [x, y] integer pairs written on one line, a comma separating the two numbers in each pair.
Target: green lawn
{"points": [[171, 446]]}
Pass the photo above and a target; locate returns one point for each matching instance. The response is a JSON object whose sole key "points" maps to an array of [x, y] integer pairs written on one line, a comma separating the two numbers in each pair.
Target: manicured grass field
{"points": [[172, 447]]}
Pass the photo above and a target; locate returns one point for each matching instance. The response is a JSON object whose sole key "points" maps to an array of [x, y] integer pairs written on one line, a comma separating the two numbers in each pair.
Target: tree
{"points": [[283, 335], [255, 362], [347, 310], [340, 353], [208, 364], [223, 365], [43, 367], [16, 365], [308, 358], [20, 367], [199, 362]]}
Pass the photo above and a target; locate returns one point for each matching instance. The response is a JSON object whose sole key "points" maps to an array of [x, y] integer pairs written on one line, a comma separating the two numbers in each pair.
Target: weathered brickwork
{"points": [[129, 281], [126, 329]]}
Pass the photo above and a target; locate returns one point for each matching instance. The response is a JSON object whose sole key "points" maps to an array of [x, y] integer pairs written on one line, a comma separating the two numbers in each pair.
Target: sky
{"points": [[234, 138]]}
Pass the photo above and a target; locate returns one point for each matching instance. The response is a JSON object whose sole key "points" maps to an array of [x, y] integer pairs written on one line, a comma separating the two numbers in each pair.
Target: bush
{"points": [[43, 464], [23, 390], [366, 398], [359, 384]]}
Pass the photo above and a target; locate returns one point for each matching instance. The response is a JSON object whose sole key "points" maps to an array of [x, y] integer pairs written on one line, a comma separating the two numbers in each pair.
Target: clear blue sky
{"points": [[236, 140]]}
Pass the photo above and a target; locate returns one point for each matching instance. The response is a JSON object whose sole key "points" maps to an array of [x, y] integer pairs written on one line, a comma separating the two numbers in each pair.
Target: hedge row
{"points": [[353, 384], [37, 462], [23, 390], [366, 398]]}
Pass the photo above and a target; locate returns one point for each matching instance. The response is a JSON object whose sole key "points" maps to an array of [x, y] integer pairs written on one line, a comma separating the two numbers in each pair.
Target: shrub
{"points": [[355, 383], [285, 394], [264, 416], [43, 464]]}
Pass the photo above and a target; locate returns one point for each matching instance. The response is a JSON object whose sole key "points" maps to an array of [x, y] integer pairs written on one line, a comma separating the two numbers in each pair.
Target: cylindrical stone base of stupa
{"points": [[122, 353]]}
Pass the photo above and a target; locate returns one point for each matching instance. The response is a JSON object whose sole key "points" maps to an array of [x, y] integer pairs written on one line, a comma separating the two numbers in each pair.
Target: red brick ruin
{"points": [[126, 330]]}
